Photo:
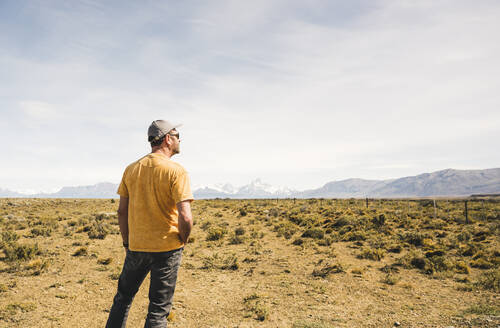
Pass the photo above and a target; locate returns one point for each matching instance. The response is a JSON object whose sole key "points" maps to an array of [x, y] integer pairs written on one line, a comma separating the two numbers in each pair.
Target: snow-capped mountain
{"points": [[255, 189]]}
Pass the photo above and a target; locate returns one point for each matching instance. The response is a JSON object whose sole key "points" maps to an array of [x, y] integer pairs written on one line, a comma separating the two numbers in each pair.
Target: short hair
{"points": [[157, 142]]}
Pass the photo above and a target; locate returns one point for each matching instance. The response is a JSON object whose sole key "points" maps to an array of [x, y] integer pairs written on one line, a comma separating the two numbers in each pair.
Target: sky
{"points": [[296, 93]]}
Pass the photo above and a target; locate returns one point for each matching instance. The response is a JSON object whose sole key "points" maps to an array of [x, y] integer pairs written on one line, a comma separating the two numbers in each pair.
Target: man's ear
{"points": [[167, 140]]}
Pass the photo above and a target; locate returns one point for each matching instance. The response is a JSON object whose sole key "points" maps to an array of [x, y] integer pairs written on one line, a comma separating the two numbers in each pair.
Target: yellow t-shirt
{"points": [[154, 185]]}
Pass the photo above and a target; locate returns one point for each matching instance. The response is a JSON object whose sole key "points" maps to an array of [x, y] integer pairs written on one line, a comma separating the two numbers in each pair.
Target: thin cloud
{"points": [[294, 93]]}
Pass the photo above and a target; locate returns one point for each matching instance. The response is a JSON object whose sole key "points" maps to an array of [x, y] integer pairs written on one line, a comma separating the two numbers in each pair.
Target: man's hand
{"points": [[185, 220]]}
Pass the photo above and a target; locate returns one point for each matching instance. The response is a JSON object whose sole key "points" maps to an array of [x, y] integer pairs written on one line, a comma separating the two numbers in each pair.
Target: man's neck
{"points": [[162, 150]]}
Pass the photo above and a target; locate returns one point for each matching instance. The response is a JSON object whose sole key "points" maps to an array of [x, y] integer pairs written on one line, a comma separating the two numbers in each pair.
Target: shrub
{"points": [[414, 238], [328, 269], [44, 232], [343, 221], [325, 241], [261, 312], [438, 264], [354, 236], [391, 279], [379, 220], [38, 266], [315, 233], [229, 262], [481, 263], [236, 240], [298, 241], [274, 212], [489, 280], [205, 225], [286, 230], [394, 248], [216, 233], [8, 236], [82, 251], [240, 231], [375, 254], [97, 230], [105, 261], [14, 252], [462, 267]]}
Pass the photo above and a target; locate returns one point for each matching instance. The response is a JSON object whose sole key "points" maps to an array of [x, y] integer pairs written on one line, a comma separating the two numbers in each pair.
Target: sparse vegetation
{"points": [[262, 263]]}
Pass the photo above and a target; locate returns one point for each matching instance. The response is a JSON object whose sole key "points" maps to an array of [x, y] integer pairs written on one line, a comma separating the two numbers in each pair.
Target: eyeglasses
{"points": [[177, 135]]}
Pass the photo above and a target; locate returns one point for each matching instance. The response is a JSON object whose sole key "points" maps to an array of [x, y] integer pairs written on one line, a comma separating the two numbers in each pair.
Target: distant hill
{"points": [[447, 182], [100, 190]]}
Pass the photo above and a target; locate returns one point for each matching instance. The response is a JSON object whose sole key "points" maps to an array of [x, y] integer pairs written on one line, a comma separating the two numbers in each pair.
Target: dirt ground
{"points": [[253, 264]]}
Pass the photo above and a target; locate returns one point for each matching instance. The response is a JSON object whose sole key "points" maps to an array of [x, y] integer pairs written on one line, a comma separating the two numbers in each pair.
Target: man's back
{"points": [[154, 185]]}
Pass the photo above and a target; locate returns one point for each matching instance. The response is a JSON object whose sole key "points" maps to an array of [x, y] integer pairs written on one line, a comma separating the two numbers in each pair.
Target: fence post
{"points": [[294, 200], [366, 202], [435, 211], [466, 214]]}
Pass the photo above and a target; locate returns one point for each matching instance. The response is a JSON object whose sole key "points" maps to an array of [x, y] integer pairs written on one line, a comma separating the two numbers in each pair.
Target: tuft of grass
{"points": [[391, 279], [82, 251], [15, 252], [41, 231], [236, 240], [489, 280], [328, 269], [105, 261], [7, 237], [228, 262], [354, 236], [240, 231], [97, 230], [254, 305], [316, 233], [374, 254], [216, 233], [483, 309], [38, 266], [24, 307]]}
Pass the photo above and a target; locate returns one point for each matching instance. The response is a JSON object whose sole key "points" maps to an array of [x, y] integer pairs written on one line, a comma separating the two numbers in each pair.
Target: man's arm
{"points": [[123, 219], [185, 219]]}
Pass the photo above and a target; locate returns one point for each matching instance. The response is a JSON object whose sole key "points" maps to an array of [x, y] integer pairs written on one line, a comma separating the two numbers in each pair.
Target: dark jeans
{"points": [[163, 267]]}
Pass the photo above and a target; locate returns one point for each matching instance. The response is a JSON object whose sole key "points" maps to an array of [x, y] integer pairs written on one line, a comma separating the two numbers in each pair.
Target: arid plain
{"points": [[263, 263]]}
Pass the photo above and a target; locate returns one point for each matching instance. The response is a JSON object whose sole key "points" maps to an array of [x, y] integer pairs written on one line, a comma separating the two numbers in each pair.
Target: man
{"points": [[155, 221]]}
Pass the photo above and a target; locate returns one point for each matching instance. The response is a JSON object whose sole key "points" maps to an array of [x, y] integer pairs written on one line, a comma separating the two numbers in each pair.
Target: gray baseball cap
{"points": [[159, 128]]}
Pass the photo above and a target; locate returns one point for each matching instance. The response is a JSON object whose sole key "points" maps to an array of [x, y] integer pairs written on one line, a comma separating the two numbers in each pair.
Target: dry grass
{"points": [[262, 263]]}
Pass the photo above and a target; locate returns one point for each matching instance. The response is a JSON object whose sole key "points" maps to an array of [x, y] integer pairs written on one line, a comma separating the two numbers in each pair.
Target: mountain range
{"points": [[447, 182]]}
